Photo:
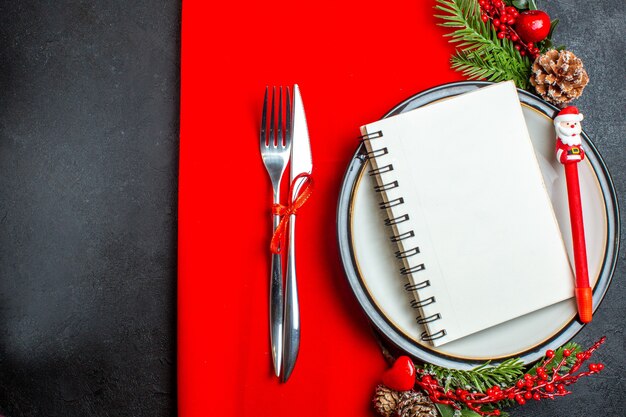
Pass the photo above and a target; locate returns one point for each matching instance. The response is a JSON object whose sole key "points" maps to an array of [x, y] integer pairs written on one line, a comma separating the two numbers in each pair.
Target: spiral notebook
{"points": [[468, 213]]}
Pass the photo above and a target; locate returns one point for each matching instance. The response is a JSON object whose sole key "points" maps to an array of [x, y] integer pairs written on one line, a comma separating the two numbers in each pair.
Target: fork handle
{"points": [[291, 338], [276, 308]]}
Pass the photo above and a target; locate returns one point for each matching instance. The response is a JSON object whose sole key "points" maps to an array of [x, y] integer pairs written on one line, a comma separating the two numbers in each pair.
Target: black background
{"points": [[89, 106], [89, 116]]}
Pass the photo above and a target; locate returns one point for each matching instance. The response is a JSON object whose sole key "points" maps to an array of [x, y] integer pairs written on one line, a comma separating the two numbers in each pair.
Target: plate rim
{"points": [[378, 318]]}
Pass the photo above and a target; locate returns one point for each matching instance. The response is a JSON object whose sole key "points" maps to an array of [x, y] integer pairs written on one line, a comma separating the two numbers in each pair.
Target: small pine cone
{"points": [[558, 77], [416, 404], [386, 400]]}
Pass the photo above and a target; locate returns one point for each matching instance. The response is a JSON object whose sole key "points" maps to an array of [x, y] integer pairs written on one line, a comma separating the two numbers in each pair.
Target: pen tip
{"points": [[584, 299]]}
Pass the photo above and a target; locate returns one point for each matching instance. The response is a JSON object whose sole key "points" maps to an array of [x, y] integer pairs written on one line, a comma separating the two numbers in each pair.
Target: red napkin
{"points": [[353, 61]]}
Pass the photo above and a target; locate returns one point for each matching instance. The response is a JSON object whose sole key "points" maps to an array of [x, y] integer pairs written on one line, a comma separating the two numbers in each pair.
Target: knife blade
{"points": [[301, 159], [301, 162]]}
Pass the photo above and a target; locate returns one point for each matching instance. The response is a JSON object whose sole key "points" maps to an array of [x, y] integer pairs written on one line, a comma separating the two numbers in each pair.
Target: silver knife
{"points": [[301, 162]]}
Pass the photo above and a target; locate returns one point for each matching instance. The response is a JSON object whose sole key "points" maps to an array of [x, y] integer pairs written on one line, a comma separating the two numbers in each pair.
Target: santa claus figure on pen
{"points": [[568, 142]]}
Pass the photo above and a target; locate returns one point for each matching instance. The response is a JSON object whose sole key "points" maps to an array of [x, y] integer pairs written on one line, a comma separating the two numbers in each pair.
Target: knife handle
{"points": [[291, 335]]}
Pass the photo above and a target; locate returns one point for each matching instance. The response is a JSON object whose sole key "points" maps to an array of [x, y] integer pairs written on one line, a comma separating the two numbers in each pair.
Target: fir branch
{"points": [[480, 54], [503, 374], [472, 33], [480, 378], [492, 68]]}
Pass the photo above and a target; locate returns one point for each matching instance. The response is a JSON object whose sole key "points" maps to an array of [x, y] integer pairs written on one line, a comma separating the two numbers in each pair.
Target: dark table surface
{"points": [[88, 179], [88, 192]]}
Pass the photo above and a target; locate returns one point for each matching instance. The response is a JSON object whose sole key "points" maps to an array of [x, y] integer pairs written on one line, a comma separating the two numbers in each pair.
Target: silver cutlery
{"points": [[275, 144], [301, 162]]}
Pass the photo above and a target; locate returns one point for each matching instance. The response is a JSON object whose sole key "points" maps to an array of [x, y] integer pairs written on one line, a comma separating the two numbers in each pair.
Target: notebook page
{"points": [[487, 234]]}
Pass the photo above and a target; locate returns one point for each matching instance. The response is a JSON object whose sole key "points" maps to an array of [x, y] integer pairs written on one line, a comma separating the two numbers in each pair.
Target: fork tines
{"points": [[279, 132]]}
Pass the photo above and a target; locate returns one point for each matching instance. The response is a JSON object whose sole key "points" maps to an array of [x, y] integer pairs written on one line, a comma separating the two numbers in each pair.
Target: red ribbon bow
{"points": [[293, 205]]}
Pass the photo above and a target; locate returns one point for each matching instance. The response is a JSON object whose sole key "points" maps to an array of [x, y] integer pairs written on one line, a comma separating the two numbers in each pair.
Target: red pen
{"points": [[569, 152]]}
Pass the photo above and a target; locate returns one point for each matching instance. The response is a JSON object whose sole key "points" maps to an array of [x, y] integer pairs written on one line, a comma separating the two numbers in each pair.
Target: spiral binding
{"points": [[386, 187], [376, 153], [423, 303], [397, 220], [405, 235], [391, 203], [381, 170], [407, 253], [429, 319], [386, 204], [419, 286], [416, 268], [426, 337]]}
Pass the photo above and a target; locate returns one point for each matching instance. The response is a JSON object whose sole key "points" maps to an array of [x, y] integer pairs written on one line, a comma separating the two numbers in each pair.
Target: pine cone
{"points": [[386, 400], [559, 77], [416, 404]]}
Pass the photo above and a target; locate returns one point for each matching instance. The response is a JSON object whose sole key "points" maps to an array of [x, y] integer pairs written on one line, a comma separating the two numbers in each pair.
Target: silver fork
{"points": [[275, 151]]}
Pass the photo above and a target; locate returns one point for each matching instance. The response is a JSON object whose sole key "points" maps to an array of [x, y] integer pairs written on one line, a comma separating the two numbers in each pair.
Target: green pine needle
{"points": [[480, 54], [480, 378]]}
